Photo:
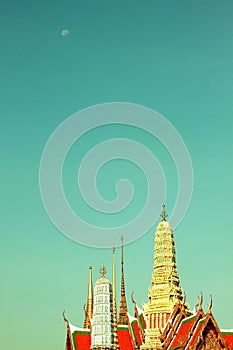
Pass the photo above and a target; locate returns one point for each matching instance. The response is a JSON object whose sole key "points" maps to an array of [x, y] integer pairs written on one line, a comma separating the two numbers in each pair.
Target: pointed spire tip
{"points": [[102, 271], [163, 213]]}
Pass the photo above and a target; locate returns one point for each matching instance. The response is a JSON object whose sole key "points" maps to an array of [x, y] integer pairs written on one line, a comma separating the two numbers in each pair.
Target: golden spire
{"points": [[89, 308], [123, 316], [69, 343], [116, 342], [102, 271], [163, 213], [165, 291]]}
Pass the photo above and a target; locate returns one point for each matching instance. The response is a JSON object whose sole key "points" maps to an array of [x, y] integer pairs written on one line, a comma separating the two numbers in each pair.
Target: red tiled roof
{"points": [[228, 336], [196, 332], [182, 332], [81, 340], [124, 338], [136, 332], [142, 321]]}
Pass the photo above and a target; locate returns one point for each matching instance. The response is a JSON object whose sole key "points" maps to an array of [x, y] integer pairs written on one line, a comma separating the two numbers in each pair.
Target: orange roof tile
{"points": [[124, 338], [228, 336], [182, 332], [82, 340], [196, 332]]}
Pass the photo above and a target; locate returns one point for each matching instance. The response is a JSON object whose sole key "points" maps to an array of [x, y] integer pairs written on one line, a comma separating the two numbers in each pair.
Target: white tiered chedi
{"points": [[102, 323]]}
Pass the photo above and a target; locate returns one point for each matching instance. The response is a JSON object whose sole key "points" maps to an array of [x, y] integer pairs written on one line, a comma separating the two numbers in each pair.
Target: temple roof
{"points": [[228, 336], [182, 332], [124, 337], [197, 331]]}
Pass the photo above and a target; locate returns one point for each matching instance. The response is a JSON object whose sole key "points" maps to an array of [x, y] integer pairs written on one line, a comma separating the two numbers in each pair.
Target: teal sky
{"points": [[173, 56]]}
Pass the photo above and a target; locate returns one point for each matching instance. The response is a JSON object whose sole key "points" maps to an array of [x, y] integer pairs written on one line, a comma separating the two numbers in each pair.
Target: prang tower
{"points": [[103, 321], [165, 291]]}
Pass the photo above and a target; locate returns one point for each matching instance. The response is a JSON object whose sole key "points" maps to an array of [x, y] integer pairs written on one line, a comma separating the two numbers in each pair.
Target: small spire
{"points": [[123, 314], [102, 271], [113, 274], [163, 213], [115, 335], [89, 308]]}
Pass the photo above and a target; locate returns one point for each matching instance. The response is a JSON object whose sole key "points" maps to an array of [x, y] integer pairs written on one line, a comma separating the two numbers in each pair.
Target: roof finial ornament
{"points": [[163, 213], [211, 304], [64, 317], [200, 300], [132, 298], [184, 300], [69, 344], [102, 271]]}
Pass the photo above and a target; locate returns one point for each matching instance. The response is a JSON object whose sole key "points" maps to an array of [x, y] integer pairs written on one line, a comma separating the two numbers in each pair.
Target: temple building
{"points": [[165, 322]]}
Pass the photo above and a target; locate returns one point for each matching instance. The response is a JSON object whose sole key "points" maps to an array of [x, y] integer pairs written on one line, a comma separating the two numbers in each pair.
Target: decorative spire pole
{"points": [[123, 316], [163, 213], [89, 308], [102, 271], [116, 341]]}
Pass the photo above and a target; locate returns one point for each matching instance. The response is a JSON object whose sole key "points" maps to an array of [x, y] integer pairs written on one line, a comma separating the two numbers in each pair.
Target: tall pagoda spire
{"points": [[89, 308], [116, 341], [165, 291], [123, 315]]}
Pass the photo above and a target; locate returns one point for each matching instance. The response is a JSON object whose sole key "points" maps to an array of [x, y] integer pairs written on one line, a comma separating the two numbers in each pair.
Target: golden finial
{"points": [[200, 300], [184, 300], [132, 298], [211, 304], [64, 317], [102, 271], [163, 213]]}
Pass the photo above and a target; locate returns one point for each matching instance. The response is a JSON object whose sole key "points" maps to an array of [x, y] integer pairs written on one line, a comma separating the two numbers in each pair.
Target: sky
{"points": [[175, 57]]}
